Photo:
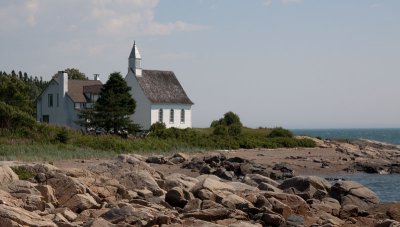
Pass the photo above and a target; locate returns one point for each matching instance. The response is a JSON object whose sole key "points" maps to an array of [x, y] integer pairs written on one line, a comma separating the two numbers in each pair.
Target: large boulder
{"points": [[257, 179], [306, 187], [8, 199], [212, 184], [81, 202], [7, 175], [14, 216], [296, 203], [29, 195], [179, 180], [65, 187], [141, 179], [178, 197], [353, 193]]}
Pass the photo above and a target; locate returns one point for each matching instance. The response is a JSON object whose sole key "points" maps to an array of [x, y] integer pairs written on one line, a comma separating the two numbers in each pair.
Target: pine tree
{"points": [[114, 107]]}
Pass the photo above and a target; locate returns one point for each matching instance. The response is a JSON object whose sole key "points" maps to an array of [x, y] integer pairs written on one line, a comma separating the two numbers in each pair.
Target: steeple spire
{"points": [[135, 61]]}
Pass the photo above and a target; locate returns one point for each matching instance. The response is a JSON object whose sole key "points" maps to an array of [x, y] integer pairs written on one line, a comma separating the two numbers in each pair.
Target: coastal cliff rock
{"points": [[127, 191]]}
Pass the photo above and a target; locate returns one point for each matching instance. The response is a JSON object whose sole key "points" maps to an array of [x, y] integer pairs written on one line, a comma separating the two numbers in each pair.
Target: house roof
{"points": [[162, 87], [94, 89], [77, 88]]}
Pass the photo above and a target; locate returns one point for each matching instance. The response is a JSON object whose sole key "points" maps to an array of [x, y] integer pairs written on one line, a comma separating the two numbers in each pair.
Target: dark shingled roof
{"points": [[94, 89], [162, 87], [76, 88]]}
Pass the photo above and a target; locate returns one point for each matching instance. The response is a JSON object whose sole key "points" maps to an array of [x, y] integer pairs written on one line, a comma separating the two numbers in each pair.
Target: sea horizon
{"points": [[385, 135]]}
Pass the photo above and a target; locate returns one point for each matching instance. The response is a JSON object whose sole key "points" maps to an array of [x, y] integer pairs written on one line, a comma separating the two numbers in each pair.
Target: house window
{"points": [[46, 118], [182, 116], [57, 99], [50, 99], [171, 116], [160, 115]]}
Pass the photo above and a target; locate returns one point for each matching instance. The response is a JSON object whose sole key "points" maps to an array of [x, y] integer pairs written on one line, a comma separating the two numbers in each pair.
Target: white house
{"points": [[61, 100], [159, 96]]}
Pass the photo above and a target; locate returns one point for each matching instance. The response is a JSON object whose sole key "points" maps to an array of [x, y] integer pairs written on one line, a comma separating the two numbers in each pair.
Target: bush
{"points": [[228, 125], [23, 173], [157, 126], [220, 130], [280, 132], [235, 129]]}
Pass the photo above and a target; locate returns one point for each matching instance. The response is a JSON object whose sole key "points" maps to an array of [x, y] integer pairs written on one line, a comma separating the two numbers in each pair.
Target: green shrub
{"points": [[280, 132], [23, 173], [62, 136], [220, 130], [235, 129], [157, 126]]}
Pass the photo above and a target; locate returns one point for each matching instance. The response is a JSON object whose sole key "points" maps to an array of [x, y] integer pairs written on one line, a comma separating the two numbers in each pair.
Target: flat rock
{"points": [[14, 216]]}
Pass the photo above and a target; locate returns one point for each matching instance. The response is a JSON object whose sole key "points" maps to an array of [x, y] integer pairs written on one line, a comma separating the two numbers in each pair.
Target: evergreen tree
{"points": [[113, 108]]}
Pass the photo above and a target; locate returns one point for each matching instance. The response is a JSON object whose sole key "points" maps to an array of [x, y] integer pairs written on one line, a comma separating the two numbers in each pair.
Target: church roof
{"points": [[77, 88], [162, 87]]}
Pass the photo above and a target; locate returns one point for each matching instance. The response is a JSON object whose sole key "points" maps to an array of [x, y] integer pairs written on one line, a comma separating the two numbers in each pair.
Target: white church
{"points": [[159, 97]]}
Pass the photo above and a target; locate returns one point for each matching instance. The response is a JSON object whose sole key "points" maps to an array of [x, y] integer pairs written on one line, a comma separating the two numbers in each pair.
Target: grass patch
{"points": [[50, 143], [23, 174]]}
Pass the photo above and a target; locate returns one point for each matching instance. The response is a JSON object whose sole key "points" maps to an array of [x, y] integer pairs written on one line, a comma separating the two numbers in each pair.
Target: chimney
{"points": [[63, 79], [96, 76]]}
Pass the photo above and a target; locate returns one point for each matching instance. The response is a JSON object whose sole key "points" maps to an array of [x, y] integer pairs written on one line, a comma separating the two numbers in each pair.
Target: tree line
{"points": [[20, 90]]}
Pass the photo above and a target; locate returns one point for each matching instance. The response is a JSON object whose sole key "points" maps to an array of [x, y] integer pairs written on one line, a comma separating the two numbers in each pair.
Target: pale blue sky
{"points": [[290, 63]]}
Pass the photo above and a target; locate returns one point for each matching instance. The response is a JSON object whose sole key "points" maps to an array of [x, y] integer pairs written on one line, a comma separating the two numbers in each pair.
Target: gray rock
{"points": [[178, 197], [353, 193], [305, 187]]}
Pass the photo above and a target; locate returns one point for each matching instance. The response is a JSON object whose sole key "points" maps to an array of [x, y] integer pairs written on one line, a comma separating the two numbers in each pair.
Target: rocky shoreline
{"points": [[204, 189]]}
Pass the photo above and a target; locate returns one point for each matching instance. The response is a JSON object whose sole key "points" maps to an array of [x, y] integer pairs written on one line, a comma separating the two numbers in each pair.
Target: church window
{"points": [[171, 116], [182, 116], [50, 99], [160, 115]]}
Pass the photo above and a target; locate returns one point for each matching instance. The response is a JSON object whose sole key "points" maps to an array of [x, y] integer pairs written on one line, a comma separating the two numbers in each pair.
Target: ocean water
{"points": [[387, 187], [390, 135]]}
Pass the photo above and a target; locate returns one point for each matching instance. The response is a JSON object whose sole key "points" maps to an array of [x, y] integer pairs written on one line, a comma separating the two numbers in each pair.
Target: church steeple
{"points": [[135, 61]]}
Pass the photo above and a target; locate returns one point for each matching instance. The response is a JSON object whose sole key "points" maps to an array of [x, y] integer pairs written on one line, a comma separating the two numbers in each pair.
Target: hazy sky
{"points": [[290, 63]]}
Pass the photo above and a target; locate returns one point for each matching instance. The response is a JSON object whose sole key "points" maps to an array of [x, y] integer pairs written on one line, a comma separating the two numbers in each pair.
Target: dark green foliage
{"points": [[231, 118], [23, 173], [62, 136], [20, 90], [235, 129], [280, 132], [73, 74], [157, 126], [112, 110], [220, 130], [13, 118], [228, 125]]}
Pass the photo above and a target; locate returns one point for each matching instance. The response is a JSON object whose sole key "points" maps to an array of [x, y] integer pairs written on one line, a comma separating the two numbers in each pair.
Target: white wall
{"points": [[56, 113], [142, 111], [177, 115], [62, 114]]}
